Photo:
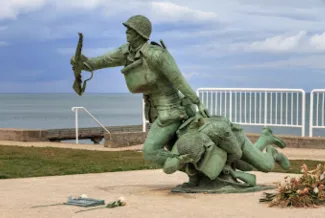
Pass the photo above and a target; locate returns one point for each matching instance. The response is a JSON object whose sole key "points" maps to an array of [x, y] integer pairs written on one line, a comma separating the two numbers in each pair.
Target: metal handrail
{"points": [[75, 109], [311, 111]]}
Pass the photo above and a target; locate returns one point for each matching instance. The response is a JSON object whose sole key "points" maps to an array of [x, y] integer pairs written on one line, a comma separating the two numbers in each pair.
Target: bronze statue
{"points": [[210, 150], [149, 69]]}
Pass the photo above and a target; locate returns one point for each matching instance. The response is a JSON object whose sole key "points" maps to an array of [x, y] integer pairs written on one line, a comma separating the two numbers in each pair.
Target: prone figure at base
{"points": [[214, 148]]}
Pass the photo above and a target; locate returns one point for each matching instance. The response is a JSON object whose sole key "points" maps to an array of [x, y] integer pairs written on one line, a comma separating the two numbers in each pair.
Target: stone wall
{"points": [[23, 135], [129, 138], [136, 138], [123, 139], [296, 141]]}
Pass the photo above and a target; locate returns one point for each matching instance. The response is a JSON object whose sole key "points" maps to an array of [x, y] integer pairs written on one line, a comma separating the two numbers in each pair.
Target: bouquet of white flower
{"points": [[306, 191]]}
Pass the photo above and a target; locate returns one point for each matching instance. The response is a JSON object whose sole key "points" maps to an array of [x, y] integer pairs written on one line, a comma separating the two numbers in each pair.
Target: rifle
{"points": [[77, 68]]}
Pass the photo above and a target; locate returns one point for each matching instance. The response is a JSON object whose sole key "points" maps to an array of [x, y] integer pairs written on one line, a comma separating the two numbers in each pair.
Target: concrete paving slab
{"points": [[147, 193]]}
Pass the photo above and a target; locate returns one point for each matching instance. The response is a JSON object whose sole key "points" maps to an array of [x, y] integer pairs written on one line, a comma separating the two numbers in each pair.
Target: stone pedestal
{"points": [[223, 185]]}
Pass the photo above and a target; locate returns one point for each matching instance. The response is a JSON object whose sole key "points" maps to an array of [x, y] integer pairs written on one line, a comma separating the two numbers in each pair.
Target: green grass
{"points": [[296, 164], [22, 162], [19, 162]]}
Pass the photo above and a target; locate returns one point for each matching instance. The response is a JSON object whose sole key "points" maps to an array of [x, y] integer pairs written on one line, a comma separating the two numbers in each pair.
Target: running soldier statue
{"points": [[150, 69]]}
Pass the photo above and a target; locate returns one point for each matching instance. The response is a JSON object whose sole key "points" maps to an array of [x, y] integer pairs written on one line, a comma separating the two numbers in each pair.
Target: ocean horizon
{"points": [[53, 111]]}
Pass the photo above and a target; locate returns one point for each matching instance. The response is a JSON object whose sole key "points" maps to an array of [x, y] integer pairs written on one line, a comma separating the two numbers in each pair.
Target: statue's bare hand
{"points": [[73, 62]]}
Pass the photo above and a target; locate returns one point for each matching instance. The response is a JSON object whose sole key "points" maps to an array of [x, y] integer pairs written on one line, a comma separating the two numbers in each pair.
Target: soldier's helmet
{"points": [[140, 24], [193, 144]]}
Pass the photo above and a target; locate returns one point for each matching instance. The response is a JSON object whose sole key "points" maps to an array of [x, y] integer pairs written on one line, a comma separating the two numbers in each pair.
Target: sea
{"points": [[53, 111]]}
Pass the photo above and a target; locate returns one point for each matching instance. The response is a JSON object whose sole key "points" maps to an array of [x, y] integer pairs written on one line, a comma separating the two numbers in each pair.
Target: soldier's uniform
{"points": [[151, 70], [215, 144], [227, 135]]}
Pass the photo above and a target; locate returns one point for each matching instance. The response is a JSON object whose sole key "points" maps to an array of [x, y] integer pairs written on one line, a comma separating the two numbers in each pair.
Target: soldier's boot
{"points": [[267, 138], [279, 158], [193, 181]]}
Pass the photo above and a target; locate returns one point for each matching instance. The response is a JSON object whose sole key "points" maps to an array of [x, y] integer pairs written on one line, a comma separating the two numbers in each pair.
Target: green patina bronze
{"points": [[215, 154], [149, 69], [77, 67], [211, 150]]}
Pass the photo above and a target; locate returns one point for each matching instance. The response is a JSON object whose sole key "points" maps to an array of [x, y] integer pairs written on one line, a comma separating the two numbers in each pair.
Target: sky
{"points": [[224, 44]]}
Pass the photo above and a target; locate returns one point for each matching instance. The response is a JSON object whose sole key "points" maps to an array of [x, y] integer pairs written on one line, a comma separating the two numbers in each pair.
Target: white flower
{"points": [[83, 196], [122, 200], [322, 176], [316, 190]]}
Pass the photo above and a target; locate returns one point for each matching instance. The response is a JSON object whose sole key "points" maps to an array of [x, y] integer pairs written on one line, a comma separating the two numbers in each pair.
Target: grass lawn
{"points": [[20, 162]]}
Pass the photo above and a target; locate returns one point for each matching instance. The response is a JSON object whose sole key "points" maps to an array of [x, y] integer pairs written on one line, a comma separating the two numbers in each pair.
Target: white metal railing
{"points": [[75, 109], [316, 112], [256, 106], [144, 121]]}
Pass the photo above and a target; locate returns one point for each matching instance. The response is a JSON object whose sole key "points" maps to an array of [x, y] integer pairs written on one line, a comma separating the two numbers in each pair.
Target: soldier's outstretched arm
{"points": [[113, 58], [169, 67]]}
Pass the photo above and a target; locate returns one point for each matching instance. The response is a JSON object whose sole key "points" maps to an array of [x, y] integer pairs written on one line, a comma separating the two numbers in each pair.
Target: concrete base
{"points": [[223, 190], [124, 139]]}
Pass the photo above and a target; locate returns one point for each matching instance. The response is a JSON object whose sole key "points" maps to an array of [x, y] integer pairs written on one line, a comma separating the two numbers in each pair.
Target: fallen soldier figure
{"points": [[215, 148]]}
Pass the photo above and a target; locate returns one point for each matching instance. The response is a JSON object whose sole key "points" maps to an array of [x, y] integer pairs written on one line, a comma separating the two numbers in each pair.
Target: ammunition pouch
{"points": [[138, 76]]}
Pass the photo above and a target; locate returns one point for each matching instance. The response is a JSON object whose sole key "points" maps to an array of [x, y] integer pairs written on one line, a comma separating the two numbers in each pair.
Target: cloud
{"points": [[76, 4], [170, 12], [284, 43], [215, 35], [50, 20], [193, 74], [160, 11], [201, 33], [10, 9], [279, 43], [318, 41], [311, 62]]}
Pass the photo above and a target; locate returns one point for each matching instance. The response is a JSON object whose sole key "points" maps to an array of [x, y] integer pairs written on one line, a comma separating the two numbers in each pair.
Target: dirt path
{"points": [[292, 153], [68, 145]]}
